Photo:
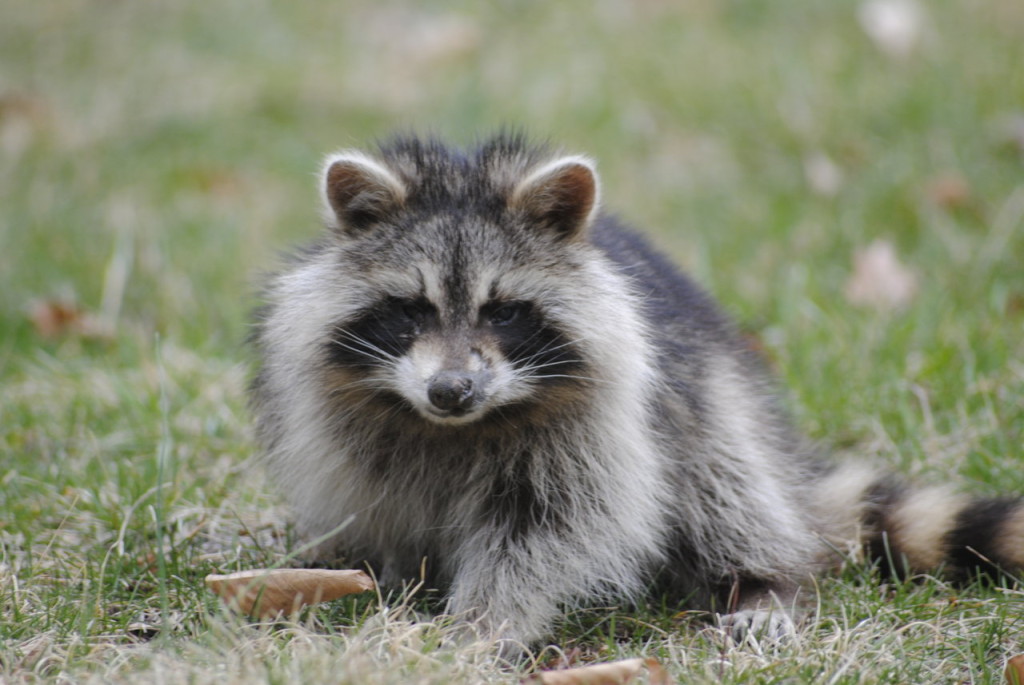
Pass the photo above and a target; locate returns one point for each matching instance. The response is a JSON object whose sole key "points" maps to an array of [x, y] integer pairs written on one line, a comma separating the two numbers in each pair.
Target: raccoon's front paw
{"points": [[771, 625], [468, 634]]}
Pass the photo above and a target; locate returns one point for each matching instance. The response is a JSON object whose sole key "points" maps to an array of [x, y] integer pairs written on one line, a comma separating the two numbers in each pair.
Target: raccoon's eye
{"points": [[415, 311], [504, 314]]}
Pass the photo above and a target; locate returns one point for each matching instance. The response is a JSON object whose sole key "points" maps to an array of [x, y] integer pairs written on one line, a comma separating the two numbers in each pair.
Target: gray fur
{"points": [[641, 446]]}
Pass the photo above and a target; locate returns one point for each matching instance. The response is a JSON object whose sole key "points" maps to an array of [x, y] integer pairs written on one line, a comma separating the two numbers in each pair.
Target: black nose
{"points": [[451, 391]]}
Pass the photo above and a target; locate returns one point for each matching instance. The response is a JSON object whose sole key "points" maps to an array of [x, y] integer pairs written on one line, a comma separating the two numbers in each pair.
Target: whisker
{"points": [[541, 358], [550, 347], [572, 376], [366, 343], [364, 383], [560, 362], [390, 410], [364, 348]]}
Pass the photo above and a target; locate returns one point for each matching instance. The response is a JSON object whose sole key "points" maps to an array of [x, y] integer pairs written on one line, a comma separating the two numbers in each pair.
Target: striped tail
{"points": [[909, 530]]}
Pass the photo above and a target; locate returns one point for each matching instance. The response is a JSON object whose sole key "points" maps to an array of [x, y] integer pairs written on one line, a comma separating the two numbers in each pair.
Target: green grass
{"points": [[154, 158]]}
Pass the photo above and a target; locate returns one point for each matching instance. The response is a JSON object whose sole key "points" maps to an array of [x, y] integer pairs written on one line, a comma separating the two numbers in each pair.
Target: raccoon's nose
{"points": [[451, 391]]}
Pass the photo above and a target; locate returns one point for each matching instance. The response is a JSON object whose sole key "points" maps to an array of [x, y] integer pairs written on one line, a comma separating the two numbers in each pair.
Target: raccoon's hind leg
{"points": [[761, 610]]}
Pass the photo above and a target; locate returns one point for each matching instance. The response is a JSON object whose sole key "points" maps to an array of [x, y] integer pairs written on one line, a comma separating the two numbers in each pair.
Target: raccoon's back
{"points": [[693, 336], [674, 303], [738, 470]]}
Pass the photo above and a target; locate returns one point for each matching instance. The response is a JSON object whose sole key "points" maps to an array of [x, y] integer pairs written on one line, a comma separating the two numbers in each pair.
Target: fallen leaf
{"points": [[441, 39], [564, 660], [1009, 130], [879, 279], [895, 26], [1015, 670], [949, 191], [55, 318], [270, 592], [823, 175], [23, 117], [614, 673], [22, 104]]}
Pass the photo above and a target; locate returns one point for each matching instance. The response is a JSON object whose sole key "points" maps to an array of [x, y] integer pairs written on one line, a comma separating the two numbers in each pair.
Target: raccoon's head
{"points": [[465, 278]]}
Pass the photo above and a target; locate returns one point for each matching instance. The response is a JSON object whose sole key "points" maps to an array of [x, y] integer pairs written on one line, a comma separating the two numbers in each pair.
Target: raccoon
{"points": [[477, 377]]}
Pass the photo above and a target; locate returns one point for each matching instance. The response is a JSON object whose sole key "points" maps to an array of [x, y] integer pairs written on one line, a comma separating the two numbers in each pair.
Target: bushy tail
{"points": [[909, 530]]}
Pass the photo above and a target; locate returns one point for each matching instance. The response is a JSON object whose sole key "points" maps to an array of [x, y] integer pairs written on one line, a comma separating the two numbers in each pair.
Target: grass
{"points": [[155, 157]]}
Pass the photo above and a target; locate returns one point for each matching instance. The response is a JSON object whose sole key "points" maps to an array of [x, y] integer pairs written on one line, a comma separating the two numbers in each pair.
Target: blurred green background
{"points": [[155, 158]]}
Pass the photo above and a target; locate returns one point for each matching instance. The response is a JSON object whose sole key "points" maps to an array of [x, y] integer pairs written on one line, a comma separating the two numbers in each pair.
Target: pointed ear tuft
{"points": [[561, 196], [359, 191]]}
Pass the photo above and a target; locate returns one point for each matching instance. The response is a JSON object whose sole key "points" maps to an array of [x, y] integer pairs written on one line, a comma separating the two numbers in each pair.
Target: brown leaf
{"points": [[949, 191], [563, 660], [1009, 132], [56, 318], [895, 26], [1015, 670], [823, 175], [23, 117], [879, 279], [267, 593], [22, 104], [614, 673]]}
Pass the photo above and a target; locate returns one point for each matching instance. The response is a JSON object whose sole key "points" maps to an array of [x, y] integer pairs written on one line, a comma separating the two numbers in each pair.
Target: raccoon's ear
{"points": [[359, 191], [561, 196]]}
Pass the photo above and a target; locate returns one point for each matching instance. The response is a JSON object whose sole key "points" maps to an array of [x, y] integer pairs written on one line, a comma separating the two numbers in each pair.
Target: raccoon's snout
{"points": [[454, 392]]}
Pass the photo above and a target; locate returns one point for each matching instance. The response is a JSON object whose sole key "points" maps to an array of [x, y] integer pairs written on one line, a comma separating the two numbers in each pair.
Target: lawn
{"points": [[156, 158]]}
